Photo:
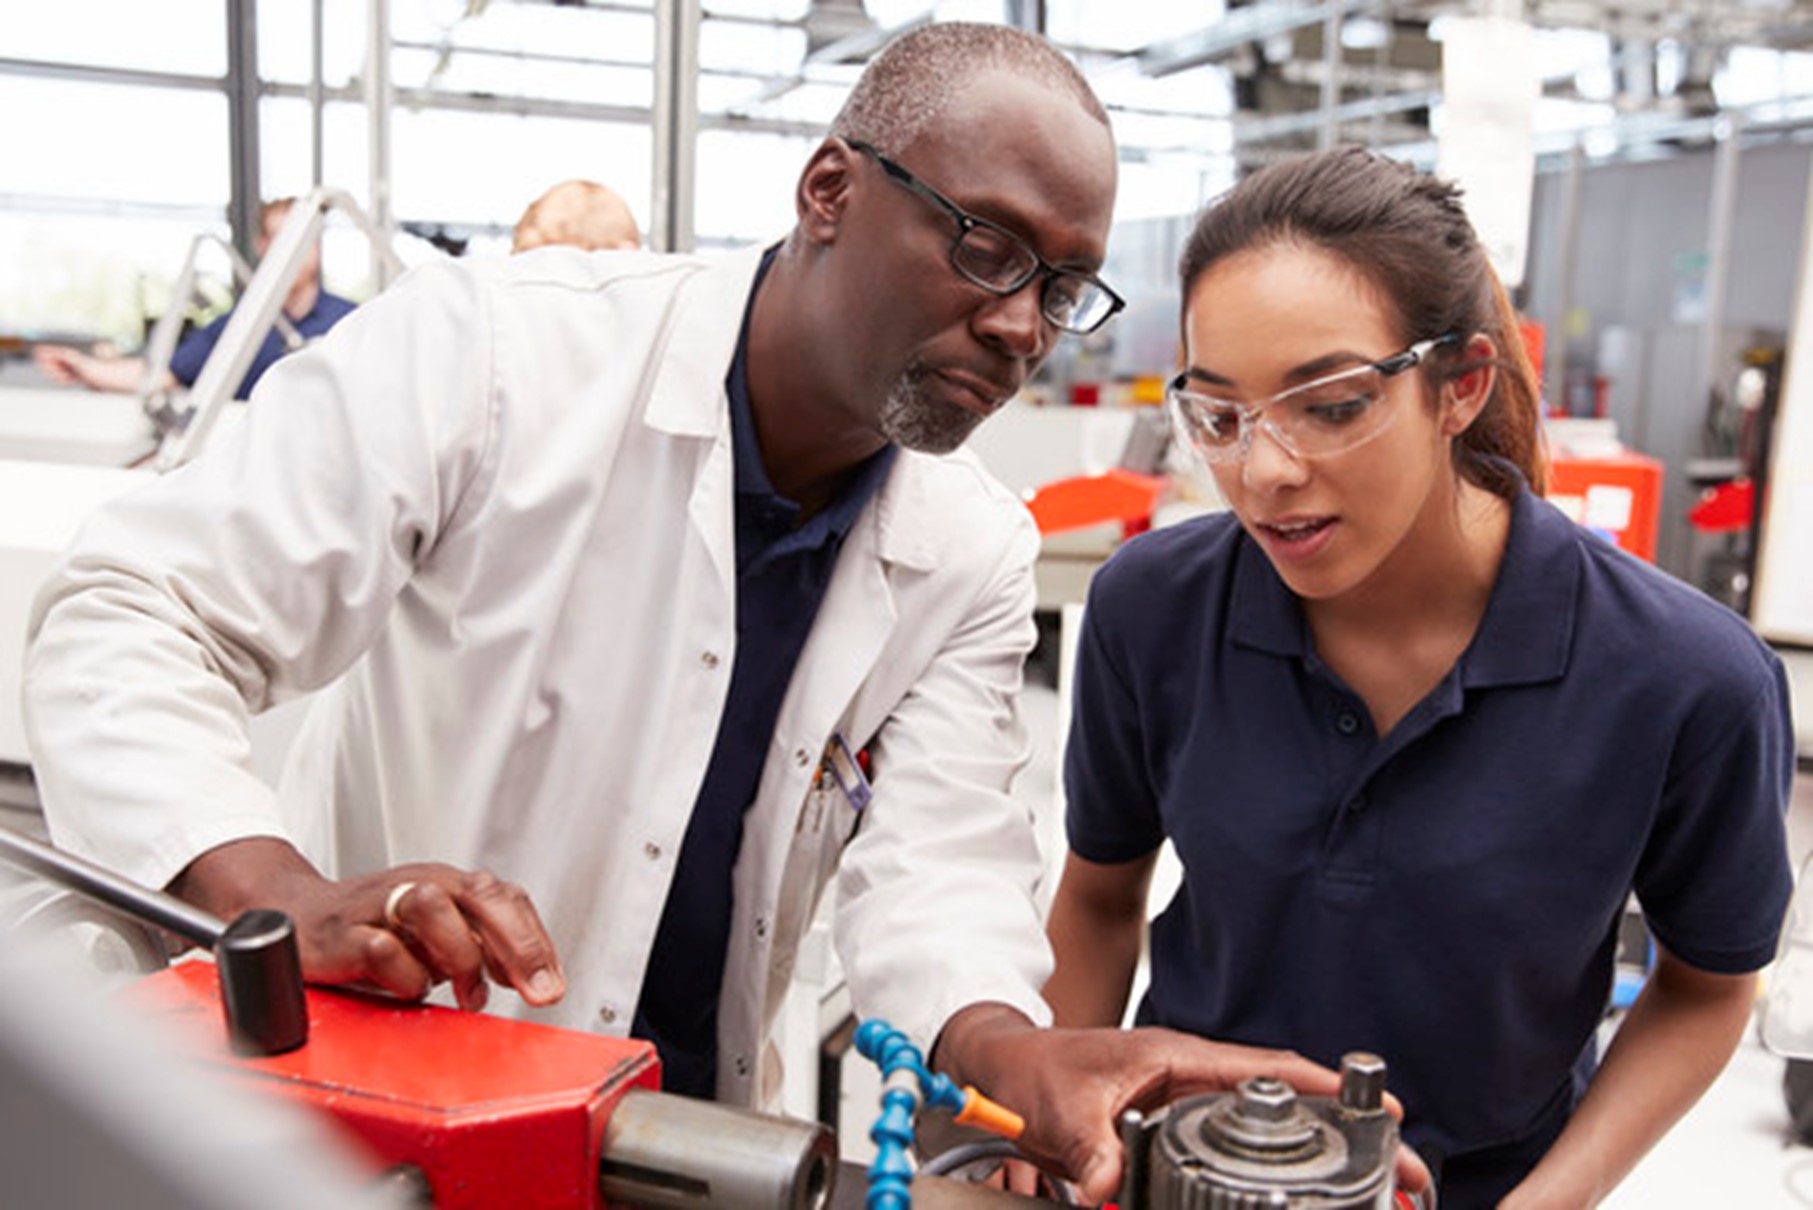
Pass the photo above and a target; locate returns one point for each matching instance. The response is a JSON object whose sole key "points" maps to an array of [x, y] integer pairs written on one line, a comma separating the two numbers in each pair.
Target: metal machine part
{"points": [[257, 956], [111, 943], [663, 1150], [463, 1111], [1263, 1147]]}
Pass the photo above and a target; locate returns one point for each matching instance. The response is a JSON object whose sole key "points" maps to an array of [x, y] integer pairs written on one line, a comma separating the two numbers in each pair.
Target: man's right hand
{"points": [[449, 924], [1071, 1085]]}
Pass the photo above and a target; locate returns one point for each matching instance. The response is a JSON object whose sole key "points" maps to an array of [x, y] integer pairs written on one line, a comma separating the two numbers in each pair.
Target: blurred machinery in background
{"points": [[1732, 475], [64, 452]]}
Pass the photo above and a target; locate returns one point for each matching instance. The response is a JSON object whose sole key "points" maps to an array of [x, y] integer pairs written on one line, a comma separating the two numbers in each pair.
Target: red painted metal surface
{"points": [[496, 1113]]}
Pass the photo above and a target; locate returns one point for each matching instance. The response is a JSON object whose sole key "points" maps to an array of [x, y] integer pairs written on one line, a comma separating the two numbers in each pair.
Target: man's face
{"points": [[935, 354], [268, 227]]}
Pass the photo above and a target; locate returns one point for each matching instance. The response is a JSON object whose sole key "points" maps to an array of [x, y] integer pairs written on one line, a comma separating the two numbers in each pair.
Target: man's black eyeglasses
{"points": [[1000, 262]]}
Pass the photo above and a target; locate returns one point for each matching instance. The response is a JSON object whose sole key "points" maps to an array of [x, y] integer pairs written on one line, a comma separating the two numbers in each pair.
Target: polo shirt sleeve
{"points": [[1714, 879], [1111, 811]]}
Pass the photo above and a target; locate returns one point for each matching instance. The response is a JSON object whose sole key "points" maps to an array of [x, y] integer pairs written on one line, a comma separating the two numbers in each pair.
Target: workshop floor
{"points": [[1730, 1149]]}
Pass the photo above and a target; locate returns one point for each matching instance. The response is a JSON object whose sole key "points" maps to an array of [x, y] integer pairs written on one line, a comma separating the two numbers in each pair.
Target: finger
{"points": [[516, 945], [1098, 1178], [437, 932], [1021, 1178], [1179, 1065], [385, 962], [1412, 1174], [1303, 1075]]}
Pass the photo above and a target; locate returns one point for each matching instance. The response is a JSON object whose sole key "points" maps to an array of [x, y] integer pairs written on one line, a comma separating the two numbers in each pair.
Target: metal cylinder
{"points": [[666, 1150], [1262, 1147]]}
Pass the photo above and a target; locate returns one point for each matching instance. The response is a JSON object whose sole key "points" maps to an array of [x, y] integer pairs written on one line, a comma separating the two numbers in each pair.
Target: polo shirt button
{"points": [[742, 1066], [1347, 723], [652, 851], [607, 1014], [802, 758], [709, 659], [761, 928]]}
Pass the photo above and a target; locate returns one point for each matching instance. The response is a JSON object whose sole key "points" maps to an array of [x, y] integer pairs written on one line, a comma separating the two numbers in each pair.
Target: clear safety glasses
{"points": [[1330, 415]]}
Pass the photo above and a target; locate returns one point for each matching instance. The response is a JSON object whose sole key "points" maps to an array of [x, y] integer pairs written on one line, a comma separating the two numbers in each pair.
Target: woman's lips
{"points": [[1297, 537]]}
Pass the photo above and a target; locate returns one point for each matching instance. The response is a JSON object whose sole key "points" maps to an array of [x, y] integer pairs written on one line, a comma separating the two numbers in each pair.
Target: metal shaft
{"points": [[153, 907], [662, 1150]]}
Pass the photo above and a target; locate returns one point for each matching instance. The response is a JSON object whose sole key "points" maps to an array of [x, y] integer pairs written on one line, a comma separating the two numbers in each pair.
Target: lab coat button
{"points": [[652, 851], [1347, 723], [709, 659]]}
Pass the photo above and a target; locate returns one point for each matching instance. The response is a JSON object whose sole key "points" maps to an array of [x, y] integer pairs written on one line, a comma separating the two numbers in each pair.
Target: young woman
{"points": [[1415, 736]]}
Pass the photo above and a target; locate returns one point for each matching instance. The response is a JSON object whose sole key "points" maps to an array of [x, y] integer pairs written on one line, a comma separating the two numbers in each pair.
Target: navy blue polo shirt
{"points": [[783, 568], [193, 350], [1447, 895]]}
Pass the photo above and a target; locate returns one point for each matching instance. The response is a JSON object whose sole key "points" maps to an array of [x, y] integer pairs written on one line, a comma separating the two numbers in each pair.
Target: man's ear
{"points": [[1465, 395], [823, 192]]}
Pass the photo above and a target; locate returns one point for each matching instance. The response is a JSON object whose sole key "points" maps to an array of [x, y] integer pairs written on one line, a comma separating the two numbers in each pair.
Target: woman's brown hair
{"points": [[1406, 232]]}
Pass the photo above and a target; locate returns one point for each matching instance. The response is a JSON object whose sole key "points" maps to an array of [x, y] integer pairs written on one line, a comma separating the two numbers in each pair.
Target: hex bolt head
{"points": [[1362, 1081], [1266, 1099]]}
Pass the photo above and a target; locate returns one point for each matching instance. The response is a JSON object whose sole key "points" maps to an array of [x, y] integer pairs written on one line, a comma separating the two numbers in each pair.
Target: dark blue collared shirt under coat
{"points": [[783, 568]]}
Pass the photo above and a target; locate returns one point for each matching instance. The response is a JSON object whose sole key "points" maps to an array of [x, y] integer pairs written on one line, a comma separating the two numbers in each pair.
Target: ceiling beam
{"points": [[1234, 29]]}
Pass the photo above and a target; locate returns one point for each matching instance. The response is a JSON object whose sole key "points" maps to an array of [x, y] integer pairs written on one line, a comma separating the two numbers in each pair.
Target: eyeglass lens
{"points": [[997, 261], [1322, 417]]}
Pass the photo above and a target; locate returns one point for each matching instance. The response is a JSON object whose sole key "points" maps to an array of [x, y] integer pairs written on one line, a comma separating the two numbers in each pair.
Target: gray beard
{"points": [[910, 417]]}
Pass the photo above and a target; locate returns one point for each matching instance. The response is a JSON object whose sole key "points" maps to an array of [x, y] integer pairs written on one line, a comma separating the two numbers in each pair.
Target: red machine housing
{"points": [[493, 1112]]}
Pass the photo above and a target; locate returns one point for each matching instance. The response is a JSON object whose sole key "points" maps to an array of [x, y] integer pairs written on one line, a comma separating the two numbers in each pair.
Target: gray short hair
{"points": [[907, 85]]}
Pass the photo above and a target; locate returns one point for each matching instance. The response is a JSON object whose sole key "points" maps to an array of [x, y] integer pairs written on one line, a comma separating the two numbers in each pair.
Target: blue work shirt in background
{"points": [[192, 350], [783, 568]]}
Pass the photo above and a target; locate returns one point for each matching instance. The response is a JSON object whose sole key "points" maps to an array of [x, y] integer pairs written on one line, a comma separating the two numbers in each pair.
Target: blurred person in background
{"points": [[310, 309], [579, 214]]}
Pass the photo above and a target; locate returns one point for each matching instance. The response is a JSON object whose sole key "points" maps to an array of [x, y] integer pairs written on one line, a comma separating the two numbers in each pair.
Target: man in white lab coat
{"points": [[620, 569]]}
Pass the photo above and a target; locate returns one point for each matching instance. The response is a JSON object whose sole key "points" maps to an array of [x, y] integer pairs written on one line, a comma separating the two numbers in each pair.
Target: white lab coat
{"points": [[498, 499]]}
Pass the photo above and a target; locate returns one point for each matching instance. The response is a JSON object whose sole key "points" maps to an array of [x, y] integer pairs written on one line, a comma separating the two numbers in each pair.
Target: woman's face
{"points": [[1272, 318]]}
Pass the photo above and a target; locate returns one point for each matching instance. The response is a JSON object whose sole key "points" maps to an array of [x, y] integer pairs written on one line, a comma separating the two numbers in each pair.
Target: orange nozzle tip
{"points": [[980, 1112]]}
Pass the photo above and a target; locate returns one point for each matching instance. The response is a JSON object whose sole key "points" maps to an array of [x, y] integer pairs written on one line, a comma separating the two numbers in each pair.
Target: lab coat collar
{"points": [[689, 398], [913, 518]]}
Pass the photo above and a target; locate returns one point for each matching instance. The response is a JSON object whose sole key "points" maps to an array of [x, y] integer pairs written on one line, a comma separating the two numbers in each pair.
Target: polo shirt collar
{"points": [[1524, 638], [1264, 613], [1527, 634]]}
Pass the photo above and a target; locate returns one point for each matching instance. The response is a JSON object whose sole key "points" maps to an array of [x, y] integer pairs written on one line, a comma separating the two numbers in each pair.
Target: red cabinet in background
{"points": [[1618, 495]]}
